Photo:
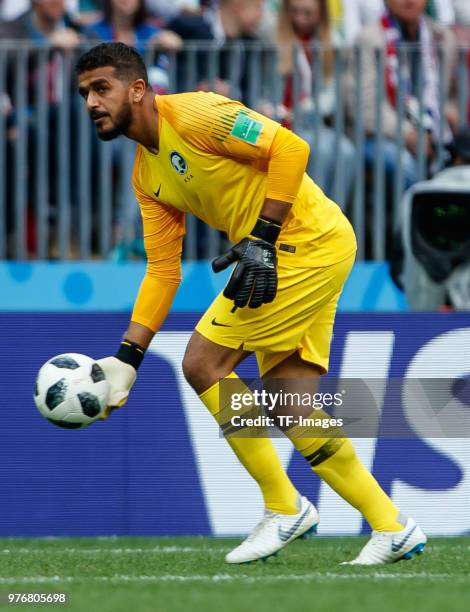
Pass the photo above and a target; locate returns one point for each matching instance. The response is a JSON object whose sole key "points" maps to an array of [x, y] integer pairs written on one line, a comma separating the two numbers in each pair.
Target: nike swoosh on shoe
{"points": [[397, 545], [285, 535]]}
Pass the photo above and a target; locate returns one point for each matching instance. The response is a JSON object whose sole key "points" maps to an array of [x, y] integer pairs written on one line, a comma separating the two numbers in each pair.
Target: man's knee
{"points": [[195, 369], [205, 362], [201, 372]]}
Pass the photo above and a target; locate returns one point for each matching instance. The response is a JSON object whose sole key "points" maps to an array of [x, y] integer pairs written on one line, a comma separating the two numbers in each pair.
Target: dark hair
{"points": [[126, 61], [138, 18]]}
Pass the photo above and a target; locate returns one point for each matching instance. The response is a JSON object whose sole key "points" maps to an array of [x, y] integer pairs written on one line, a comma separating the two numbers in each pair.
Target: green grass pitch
{"points": [[188, 574]]}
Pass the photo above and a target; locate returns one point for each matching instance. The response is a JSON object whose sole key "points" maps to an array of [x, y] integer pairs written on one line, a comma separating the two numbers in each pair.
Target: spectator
{"points": [[232, 23], [238, 19], [11, 9], [127, 21], [348, 17], [46, 20], [404, 22], [168, 10], [304, 23]]}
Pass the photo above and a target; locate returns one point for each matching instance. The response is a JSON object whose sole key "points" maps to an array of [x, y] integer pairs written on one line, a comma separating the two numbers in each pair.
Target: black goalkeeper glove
{"points": [[254, 279]]}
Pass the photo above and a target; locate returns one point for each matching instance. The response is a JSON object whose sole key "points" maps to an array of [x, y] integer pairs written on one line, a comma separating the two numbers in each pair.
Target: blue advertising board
{"points": [[159, 467], [104, 286]]}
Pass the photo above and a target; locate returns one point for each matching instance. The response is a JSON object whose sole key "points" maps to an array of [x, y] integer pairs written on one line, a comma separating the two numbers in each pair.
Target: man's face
{"points": [[52, 10], [250, 14], [407, 10], [108, 101]]}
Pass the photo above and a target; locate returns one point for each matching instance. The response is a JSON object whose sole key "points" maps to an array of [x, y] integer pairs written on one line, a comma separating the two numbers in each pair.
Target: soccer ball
{"points": [[71, 390]]}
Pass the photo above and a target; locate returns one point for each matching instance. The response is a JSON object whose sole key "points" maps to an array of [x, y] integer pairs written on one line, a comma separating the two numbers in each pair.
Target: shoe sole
{"points": [[306, 535], [418, 549], [312, 531]]}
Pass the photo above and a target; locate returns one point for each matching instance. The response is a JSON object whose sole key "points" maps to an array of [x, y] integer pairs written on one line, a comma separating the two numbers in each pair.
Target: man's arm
{"points": [[287, 159], [163, 238], [157, 292], [140, 334], [161, 281]]}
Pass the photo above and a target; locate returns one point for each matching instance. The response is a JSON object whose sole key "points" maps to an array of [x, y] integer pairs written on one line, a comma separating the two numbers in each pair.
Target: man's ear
{"points": [[138, 89]]}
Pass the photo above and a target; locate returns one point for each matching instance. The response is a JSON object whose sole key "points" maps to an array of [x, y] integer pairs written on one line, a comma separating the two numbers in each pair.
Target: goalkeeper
{"points": [[293, 250]]}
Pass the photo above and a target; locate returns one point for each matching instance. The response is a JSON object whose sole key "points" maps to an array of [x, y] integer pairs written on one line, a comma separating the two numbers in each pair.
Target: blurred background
{"points": [[381, 92]]}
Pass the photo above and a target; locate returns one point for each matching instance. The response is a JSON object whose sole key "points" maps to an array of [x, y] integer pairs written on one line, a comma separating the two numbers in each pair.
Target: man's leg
{"points": [[334, 460], [205, 364]]}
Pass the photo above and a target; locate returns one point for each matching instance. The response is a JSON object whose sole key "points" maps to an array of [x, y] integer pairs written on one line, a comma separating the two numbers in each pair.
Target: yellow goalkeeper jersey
{"points": [[213, 160]]}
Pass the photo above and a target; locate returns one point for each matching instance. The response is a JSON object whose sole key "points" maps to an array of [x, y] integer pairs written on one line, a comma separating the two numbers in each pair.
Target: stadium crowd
{"points": [[291, 29]]}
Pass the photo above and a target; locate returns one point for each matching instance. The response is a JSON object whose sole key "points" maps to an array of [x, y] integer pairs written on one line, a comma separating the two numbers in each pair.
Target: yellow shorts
{"points": [[300, 318]]}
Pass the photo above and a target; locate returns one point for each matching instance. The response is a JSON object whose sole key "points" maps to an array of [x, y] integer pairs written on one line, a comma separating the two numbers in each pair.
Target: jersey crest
{"points": [[178, 162]]}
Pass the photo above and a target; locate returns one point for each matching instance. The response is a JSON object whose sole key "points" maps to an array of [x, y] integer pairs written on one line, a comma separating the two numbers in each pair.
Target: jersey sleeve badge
{"points": [[247, 129]]}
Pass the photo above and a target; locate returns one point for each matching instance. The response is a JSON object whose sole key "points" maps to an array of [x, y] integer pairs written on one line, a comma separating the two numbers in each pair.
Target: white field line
{"points": [[155, 550], [115, 551], [240, 578]]}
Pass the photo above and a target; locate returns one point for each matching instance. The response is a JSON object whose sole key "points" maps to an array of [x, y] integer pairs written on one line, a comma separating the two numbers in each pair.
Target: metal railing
{"points": [[66, 195]]}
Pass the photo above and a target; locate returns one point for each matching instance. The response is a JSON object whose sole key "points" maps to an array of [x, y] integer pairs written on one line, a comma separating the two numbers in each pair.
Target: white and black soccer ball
{"points": [[71, 390]]}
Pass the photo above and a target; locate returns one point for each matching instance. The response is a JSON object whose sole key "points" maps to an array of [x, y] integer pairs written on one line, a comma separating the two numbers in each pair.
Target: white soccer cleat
{"points": [[274, 532], [389, 547]]}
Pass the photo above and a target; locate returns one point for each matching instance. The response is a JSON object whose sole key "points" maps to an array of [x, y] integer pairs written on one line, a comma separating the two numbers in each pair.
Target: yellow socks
{"points": [[335, 461], [347, 475], [260, 459]]}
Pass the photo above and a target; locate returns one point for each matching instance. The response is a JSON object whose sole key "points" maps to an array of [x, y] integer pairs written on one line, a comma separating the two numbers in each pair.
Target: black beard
{"points": [[110, 134], [121, 125]]}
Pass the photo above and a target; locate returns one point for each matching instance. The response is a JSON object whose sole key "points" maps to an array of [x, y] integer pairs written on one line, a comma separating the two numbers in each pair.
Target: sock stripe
{"points": [[324, 452], [228, 429]]}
